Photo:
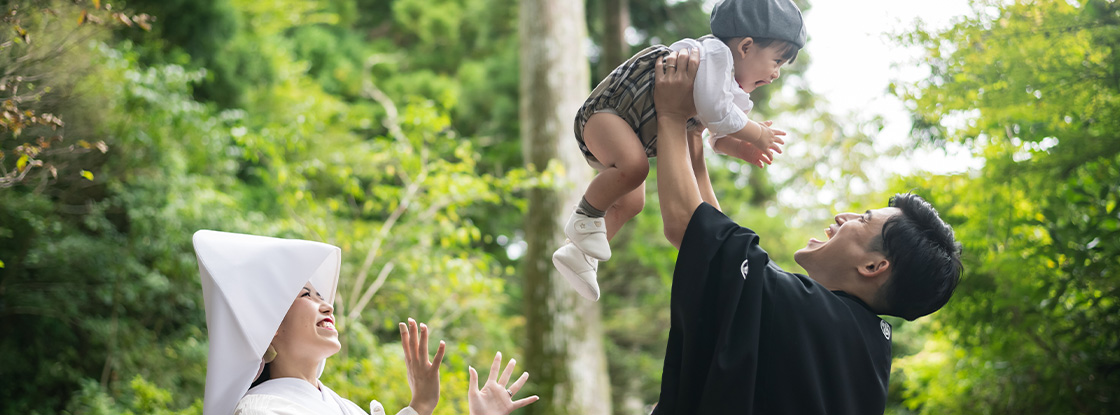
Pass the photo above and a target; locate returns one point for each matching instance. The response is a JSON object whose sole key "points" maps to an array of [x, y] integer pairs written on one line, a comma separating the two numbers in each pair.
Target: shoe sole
{"points": [[574, 280]]}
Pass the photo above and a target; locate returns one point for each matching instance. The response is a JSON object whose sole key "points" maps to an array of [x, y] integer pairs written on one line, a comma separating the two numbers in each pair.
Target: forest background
{"points": [[396, 130]]}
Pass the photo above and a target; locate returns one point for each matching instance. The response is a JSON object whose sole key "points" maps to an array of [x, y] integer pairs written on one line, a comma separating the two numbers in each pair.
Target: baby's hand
{"points": [[768, 141], [758, 153], [743, 150]]}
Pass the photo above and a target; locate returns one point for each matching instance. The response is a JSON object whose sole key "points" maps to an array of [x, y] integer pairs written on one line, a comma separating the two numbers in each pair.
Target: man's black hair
{"points": [[925, 259]]}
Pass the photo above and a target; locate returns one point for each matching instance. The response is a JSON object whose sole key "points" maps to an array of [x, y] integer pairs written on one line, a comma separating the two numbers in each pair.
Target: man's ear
{"points": [[875, 267], [744, 45]]}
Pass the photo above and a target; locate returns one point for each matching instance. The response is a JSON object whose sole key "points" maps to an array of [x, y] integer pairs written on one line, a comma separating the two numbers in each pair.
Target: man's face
{"points": [[847, 246]]}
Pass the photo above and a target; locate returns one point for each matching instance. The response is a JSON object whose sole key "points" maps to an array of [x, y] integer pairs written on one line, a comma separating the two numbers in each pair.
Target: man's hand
{"points": [[677, 187], [672, 92], [423, 374]]}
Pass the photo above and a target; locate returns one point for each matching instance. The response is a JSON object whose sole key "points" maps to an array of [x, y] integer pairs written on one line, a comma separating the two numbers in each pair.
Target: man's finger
{"points": [[670, 62], [693, 62], [683, 60]]}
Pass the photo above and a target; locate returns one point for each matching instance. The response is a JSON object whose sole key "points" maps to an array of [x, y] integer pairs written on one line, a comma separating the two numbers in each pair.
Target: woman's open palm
{"points": [[494, 398]]}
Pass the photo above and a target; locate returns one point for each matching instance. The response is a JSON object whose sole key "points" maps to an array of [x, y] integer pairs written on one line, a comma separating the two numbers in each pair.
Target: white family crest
{"points": [[883, 325], [744, 268]]}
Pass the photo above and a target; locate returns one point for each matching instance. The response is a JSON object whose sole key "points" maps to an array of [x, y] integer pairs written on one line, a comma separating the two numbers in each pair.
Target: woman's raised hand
{"points": [[494, 398], [423, 374]]}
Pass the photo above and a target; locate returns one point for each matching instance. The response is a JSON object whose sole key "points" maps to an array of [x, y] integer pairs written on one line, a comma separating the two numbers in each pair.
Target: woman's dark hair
{"points": [[926, 260], [786, 49], [265, 375]]}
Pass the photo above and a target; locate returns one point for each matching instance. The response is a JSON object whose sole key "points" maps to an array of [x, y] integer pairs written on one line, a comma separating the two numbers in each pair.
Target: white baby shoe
{"points": [[589, 235], [579, 269]]}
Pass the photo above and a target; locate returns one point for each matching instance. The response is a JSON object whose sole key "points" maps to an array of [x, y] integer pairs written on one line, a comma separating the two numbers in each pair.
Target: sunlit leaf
{"points": [[87, 174]]}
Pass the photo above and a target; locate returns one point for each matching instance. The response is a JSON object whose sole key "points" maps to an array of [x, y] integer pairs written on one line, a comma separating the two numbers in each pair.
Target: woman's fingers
{"points": [[517, 384], [423, 343], [414, 338], [504, 379], [439, 355], [474, 379], [493, 376], [405, 341], [521, 403]]}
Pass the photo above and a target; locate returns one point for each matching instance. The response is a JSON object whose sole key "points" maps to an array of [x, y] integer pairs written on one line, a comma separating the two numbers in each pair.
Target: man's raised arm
{"points": [[700, 167], [677, 188]]}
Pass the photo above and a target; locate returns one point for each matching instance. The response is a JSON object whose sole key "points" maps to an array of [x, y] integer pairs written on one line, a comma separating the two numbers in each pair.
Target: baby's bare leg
{"points": [[619, 188], [627, 207]]}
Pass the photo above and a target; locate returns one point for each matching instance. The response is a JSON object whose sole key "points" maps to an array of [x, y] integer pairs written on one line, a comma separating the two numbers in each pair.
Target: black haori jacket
{"points": [[749, 338]]}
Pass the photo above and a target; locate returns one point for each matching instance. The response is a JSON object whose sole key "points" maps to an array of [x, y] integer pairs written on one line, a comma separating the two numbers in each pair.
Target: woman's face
{"points": [[307, 332]]}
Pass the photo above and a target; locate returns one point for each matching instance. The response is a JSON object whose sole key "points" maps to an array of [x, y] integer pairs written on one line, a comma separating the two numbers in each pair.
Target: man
{"points": [[748, 337]]}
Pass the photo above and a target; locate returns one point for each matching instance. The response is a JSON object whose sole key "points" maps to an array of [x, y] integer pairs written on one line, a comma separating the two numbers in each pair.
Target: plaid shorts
{"points": [[628, 93]]}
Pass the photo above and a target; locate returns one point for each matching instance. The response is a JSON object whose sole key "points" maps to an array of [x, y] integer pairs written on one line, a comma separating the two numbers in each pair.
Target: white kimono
{"points": [[291, 396]]}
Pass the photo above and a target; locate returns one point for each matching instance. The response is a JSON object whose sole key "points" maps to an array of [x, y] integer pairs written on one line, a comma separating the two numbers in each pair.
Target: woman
{"points": [[261, 337]]}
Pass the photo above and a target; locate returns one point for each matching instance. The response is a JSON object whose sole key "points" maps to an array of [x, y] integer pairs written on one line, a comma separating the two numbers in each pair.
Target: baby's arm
{"points": [[713, 93], [755, 143]]}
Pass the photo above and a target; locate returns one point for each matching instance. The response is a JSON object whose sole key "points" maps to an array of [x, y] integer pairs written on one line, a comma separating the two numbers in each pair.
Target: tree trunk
{"points": [[615, 48], [564, 350]]}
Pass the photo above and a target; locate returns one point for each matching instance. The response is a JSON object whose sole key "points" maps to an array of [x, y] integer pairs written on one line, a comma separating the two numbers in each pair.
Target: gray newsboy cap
{"points": [[776, 19]]}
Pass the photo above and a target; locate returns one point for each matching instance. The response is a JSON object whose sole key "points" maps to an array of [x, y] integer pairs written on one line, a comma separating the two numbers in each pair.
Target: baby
{"points": [[616, 127]]}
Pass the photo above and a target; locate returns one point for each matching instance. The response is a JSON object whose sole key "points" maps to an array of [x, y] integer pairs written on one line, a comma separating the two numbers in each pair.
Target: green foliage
{"points": [[99, 276], [142, 397], [33, 143], [388, 128], [1033, 327]]}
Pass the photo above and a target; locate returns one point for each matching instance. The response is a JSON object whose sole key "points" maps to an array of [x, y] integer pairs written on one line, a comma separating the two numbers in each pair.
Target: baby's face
{"points": [[758, 66]]}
